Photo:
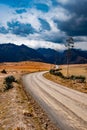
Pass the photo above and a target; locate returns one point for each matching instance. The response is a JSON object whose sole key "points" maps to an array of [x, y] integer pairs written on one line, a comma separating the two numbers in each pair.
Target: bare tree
{"points": [[69, 45]]}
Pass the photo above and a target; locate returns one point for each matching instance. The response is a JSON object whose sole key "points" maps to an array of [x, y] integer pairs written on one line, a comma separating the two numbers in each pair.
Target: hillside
{"points": [[51, 55], [14, 53], [76, 56]]}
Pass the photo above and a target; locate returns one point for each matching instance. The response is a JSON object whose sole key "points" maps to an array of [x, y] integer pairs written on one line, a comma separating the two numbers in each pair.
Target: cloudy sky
{"points": [[43, 23]]}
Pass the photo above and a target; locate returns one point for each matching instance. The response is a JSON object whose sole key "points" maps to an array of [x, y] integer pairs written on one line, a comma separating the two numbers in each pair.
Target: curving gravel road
{"points": [[67, 108]]}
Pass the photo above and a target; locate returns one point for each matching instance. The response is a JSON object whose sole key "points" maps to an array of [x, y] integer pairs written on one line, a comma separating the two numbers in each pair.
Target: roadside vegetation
{"points": [[76, 80], [3, 71], [80, 78], [8, 82]]}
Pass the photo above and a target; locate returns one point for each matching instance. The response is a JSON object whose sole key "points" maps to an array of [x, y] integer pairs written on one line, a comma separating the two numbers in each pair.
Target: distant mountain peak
{"points": [[13, 53]]}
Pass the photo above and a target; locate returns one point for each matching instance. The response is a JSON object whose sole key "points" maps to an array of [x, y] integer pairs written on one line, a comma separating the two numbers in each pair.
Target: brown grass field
{"points": [[79, 69], [24, 67]]}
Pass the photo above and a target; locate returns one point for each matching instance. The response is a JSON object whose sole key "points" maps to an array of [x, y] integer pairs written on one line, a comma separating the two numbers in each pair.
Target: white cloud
{"points": [[81, 45], [61, 14], [45, 44], [81, 42], [58, 13], [10, 38], [81, 38], [6, 14], [32, 15]]}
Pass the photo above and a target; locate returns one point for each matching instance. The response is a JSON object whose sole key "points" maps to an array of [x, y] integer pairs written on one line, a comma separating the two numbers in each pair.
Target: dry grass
{"points": [[17, 111], [73, 70], [24, 67], [79, 69]]}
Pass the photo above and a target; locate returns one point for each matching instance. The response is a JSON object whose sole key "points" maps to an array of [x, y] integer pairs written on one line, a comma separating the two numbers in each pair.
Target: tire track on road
{"points": [[56, 103]]}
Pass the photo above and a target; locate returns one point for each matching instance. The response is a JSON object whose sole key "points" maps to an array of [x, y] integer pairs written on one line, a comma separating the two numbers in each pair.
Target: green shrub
{"points": [[78, 78], [4, 71], [8, 86], [81, 78], [57, 73], [10, 79], [58, 69], [8, 82], [52, 71]]}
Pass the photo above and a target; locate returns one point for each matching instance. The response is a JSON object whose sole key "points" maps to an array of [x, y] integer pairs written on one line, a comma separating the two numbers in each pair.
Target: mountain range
{"points": [[75, 56], [14, 53]]}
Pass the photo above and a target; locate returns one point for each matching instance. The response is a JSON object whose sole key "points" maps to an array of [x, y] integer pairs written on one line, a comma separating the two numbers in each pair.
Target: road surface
{"points": [[67, 108]]}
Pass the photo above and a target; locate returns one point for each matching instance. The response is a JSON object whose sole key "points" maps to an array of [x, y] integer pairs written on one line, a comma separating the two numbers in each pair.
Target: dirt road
{"points": [[67, 108]]}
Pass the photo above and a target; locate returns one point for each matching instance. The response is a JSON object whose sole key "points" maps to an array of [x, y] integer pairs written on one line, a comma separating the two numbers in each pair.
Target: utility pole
{"points": [[69, 45]]}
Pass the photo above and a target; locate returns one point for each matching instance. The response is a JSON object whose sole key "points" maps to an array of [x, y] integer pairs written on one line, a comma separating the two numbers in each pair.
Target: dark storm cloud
{"points": [[21, 29], [54, 38], [74, 27], [77, 25], [77, 6]]}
